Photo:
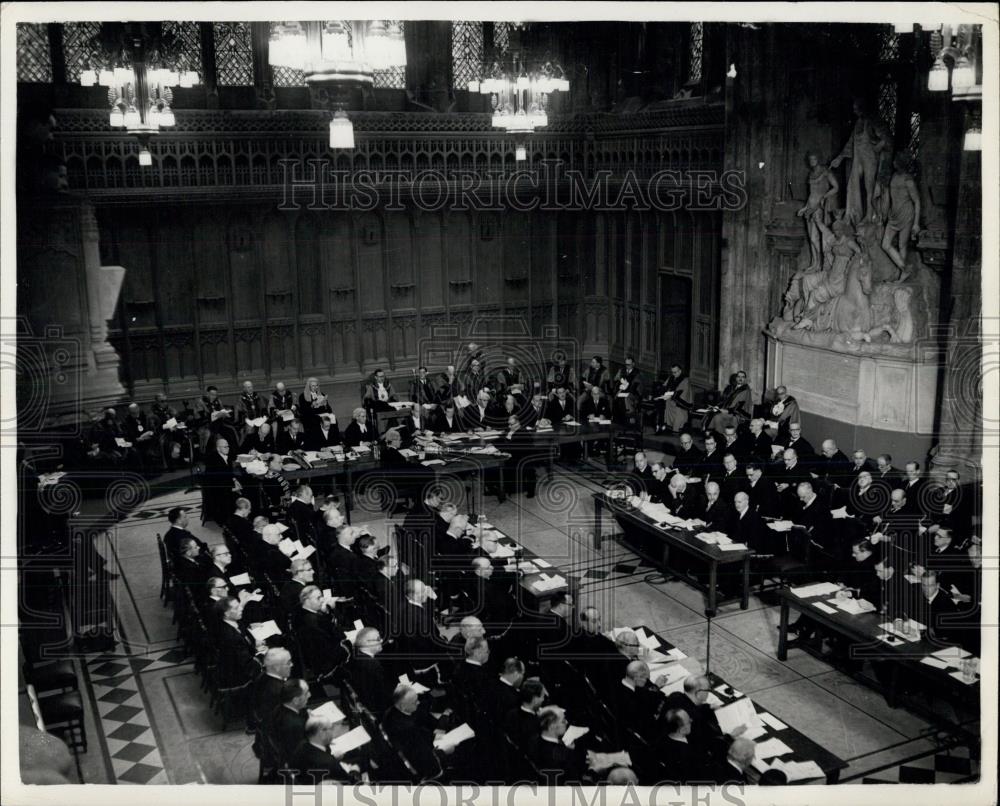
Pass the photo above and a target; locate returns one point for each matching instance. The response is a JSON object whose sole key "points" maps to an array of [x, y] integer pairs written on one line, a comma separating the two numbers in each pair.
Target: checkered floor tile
{"points": [[953, 766]]}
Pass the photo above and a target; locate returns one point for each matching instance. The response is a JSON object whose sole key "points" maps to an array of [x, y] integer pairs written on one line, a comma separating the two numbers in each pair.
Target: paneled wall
{"points": [[221, 293]]}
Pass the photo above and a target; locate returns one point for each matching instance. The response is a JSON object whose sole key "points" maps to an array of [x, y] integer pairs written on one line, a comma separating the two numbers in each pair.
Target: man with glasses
{"points": [[368, 675], [706, 735]]}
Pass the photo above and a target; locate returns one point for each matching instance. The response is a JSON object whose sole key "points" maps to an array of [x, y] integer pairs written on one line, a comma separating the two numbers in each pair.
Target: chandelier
{"points": [[956, 49], [339, 55], [140, 64], [519, 95]]}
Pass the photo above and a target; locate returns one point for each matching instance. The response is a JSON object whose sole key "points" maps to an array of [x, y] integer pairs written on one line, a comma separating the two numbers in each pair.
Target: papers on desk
{"points": [[675, 674], [541, 563], [793, 770], [854, 607], [657, 512], [740, 712], [961, 678], [713, 701], [502, 551], [429, 462], [547, 583], [816, 589], [780, 526], [571, 423], [908, 631], [733, 547], [772, 721], [601, 421], [352, 635], [404, 404], [713, 538], [218, 415], [648, 641], [604, 761], [362, 448], [754, 733], [408, 453], [330, 711], [240, 579], [614, 632], [824, 608], [349, 741], [420, 688], [454, 737], [952, 655], [930, 660], [527, 567], [574, 732], [255, 467], [264, 631], [771, 748]]}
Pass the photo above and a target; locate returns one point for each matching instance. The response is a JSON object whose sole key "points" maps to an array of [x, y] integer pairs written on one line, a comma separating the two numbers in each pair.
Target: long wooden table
{"points": [[803, 748], [680, 539], [863, 630]]}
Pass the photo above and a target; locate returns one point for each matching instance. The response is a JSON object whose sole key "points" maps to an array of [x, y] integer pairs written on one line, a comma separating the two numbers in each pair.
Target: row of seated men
{"points": [[852, 513], [498, 638]]}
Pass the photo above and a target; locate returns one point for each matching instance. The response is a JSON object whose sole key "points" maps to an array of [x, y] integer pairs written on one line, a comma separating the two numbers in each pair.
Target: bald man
{"points": [[712, 510], [372, 680], [638, 703], [265, 695], [706, 735]]}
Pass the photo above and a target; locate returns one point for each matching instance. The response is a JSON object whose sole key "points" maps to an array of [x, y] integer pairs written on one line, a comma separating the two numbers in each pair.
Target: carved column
{"points": [[65, 298]]}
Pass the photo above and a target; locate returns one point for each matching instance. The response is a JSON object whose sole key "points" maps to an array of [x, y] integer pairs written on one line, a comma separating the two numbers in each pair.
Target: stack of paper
{"points": [[409, 454], [824, 608], [255, 467], [420, 688], [793, 770], [772, 747], [541, 563], [740, 712], [816, 589], [502, 551], [454, 737], [257, 422], [733, 547], [574, 732], [604, 761], [930, 660], [908, 631], [854, 607], [676, 675], [547, 583], [295, 550], [772, 721], [602, 421], [780, 526], [329, 710], [349, 741], [648, 641], [527, 567], [264, 631], [839, 514], [712, 538], [122, 443], [952, 655]]}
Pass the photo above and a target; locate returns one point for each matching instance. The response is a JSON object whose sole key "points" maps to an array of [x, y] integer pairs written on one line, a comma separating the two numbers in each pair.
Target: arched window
{"points": [[233, 54], [466, 52], [34, 64]]}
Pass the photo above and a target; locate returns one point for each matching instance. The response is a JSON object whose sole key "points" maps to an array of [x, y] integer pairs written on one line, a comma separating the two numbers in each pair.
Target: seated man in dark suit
{"points": [[558, 764], [706, 737], [561, 407], [755, 445], [265, 693], [237, 663], [640, 476], [312, 761], [814, 516], [179, 521], [292, 438], [712, 511], [688, 459], [658, 487], [324, 645], [711, 463], [638, 703], [746, 526], [412, 730], [886, 473], [595, 405], [302, 573], [325, 434], [738, 761], [682, 763], [762, 492], [861, 463], [935, 609], [287, 723], [191, 567], [368, 675], [802, 447], [358, 432], [301, 514], [503, 695], [831, 467], [731, 480], [447, 420]]}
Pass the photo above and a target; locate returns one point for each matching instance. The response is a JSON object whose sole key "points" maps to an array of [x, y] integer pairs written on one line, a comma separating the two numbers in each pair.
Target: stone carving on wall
{"points": [[868, 148], [868, 292]]}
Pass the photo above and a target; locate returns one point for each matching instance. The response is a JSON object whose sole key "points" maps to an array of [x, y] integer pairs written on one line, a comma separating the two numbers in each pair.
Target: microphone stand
{"points": [[709, 615]]}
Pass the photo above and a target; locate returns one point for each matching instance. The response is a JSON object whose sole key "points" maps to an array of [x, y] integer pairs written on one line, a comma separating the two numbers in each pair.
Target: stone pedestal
{"points": [[862, 399], [65, 298]]}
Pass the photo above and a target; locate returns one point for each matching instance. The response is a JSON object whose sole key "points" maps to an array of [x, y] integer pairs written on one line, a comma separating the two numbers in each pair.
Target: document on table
{"points": [[854, 607], [502, 551], [648, 641], [408, 453], [773, 721], [329, 710], [546, 582], [574, 732], [816, 589], [264, 631], [429, 462], [772, 747], [952, 655], [754, 733], [732, 547], [930, 660], [793, 770], [961, 678], [420, 688], [541, 563], [780, 526], [675, 674], [737, 713], [527, 567], [823, 608], [349, 741], [455, 737]]}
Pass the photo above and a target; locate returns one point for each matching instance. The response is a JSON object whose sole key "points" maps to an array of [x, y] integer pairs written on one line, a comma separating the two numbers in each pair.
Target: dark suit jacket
{"points": [[354, 437], [682, 764], [711, 465], [422, 391], [343, 570], [411, 734], [602, 408], [313, 765], [172, 540], [688, 462], [372, 682], [288, 596], [288, 730], [706, 736], [440, 424], [556, 411], [754, 447], [802, 447], [191, 574], [558, 764], [750, 529], [316, 440], [265, 697], [522, 729], [289, 442], [236, 657], [303, 521], [323, 644], [716, 516], [639, 709], [763, 497], [730, 484]]}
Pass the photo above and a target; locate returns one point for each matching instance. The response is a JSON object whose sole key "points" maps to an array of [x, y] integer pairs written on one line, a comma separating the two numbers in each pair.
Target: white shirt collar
{"points": [[628, 684], [552, 739]]}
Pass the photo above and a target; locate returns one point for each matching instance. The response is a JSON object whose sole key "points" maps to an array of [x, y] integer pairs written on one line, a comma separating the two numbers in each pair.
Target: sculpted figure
{"points": [[823, 186], [869, 143], [819, 288], [904, 213]]}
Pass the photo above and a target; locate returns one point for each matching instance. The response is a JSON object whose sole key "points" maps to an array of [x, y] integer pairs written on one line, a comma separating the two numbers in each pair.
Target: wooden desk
{"points": [[862, 629], [803, 748], [682, 540]]}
